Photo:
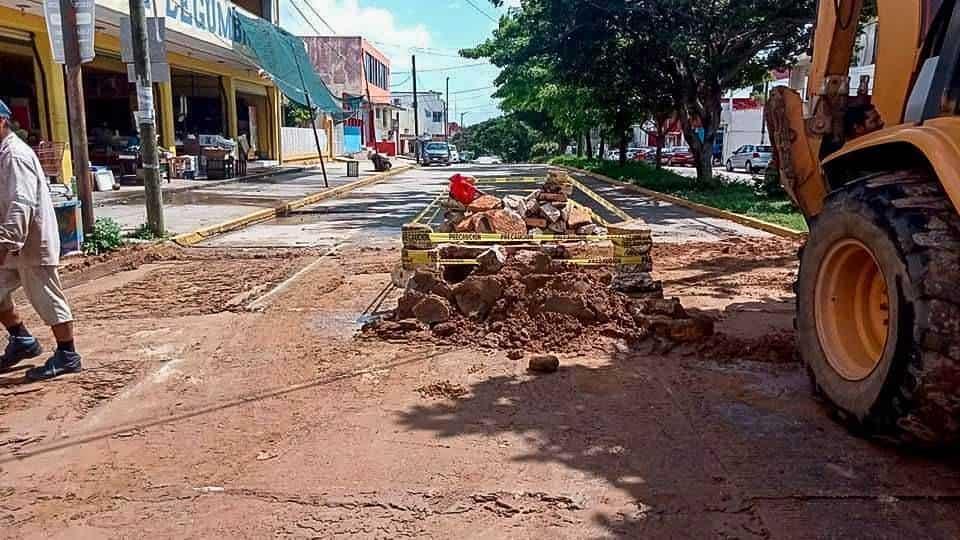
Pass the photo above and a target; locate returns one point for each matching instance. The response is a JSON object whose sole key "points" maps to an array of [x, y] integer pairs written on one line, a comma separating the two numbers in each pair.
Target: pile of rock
{"points": [[537, 304], [546, 210]]}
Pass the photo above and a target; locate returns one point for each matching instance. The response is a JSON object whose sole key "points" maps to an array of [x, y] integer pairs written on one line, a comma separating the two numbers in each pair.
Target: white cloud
{"points": [[349, 18]]}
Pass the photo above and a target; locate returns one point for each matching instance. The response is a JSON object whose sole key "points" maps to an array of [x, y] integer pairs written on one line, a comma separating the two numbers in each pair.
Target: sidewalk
{"points": [[103, 198], [195, 208]]}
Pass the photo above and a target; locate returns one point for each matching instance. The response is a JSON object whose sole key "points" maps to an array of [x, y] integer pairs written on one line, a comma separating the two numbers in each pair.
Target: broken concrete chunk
{"points": [[550, 212], [476, 295], [515, 203], [428, 282], [407, 302], [591, 229], [552, 197], [492, 260], [577, 217], [534, 262], [432, 310], [544, 363], [515, 354], [536, 222], [484, 203], [501, 222]]}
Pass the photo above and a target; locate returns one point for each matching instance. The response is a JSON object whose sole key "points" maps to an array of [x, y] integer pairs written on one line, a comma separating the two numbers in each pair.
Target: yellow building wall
{"points": [[55, 104]]}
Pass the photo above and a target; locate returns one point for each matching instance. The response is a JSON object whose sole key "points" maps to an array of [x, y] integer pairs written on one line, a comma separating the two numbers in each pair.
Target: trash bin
{"points": [[70, 225], [353, 169]]}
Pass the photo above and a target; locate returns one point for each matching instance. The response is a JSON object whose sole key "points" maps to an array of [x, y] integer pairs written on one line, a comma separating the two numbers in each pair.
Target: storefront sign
{"points": [[85, 11], [215, 17]]}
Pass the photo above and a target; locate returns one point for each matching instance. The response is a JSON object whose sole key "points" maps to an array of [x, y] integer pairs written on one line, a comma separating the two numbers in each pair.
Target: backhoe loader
{"points": [[878, 290]]}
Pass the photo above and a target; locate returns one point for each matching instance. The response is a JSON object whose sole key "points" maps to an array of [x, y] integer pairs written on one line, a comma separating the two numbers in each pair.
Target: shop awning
{"points": [[283, 56]]}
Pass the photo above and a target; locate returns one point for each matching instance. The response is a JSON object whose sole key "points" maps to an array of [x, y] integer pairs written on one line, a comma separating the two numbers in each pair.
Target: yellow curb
{"points": [[199, 235], [771, 228]]}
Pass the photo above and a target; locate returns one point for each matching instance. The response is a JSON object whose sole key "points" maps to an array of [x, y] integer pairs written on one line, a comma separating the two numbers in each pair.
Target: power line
{"points": [[305, 18], [448, 68], [315, 12], [471, 90], [482, 12]]}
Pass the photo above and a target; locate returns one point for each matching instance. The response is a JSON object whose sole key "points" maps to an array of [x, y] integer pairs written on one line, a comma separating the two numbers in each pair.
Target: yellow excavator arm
{"points": [[799, 130]]}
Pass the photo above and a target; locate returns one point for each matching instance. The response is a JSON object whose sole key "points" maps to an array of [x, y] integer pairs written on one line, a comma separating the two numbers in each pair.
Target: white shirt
{"points": [[28, 226]]}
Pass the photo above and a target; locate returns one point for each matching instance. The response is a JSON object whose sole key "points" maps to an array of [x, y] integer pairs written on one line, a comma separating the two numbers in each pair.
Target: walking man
{"points": [[29, 255]]}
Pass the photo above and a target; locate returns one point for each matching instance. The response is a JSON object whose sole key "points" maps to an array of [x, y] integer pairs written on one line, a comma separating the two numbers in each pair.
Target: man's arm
{"points": [[20, 188]]}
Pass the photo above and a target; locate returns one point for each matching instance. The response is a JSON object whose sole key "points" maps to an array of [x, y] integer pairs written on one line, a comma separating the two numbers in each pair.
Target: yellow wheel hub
{"points": [[852, 309]]}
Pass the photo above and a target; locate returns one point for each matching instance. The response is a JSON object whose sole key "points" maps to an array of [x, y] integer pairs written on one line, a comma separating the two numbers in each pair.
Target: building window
{"points": [[376, 72], [438, 117]]}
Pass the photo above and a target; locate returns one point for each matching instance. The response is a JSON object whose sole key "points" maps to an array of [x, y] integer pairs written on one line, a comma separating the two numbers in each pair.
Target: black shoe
{"points": [[61, 363], [19, 348]]}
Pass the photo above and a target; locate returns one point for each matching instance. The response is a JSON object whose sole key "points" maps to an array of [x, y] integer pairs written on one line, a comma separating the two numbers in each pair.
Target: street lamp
{"points": [[462, 125]]}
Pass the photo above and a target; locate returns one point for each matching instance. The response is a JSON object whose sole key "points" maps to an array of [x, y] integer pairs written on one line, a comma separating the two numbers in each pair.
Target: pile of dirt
{"points": [[534, 304], [775, 348]]}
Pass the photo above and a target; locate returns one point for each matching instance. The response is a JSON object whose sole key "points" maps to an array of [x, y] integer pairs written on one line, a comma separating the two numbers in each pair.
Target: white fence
{"points": [[299, 142]]}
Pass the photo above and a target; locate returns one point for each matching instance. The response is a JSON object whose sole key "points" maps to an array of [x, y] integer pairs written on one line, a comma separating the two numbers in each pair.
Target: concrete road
{"points": [[376, 213]]}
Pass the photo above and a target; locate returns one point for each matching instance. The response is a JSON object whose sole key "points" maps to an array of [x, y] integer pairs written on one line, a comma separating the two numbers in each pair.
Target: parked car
{"points": [[466, 156], [436, 153], [751, 158], [679, 156], [454, 154], [488, 160]]}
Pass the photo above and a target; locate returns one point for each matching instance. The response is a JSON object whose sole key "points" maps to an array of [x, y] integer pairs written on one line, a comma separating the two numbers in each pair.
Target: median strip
{"points": [[199, 235], [711, 211]]}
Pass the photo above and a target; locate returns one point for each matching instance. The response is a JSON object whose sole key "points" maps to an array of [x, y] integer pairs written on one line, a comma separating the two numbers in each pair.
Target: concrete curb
{"points": [[199, 235], [111, 201], [760, 224]]}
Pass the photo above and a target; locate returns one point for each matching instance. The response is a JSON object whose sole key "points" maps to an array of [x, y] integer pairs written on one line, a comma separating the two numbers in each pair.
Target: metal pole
{"points": [[313, 118], [148, 127], [446, 115], [76, 115], [416, 111]]}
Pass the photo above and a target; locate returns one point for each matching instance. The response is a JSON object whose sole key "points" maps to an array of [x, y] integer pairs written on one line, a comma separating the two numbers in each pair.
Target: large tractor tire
{"points": [[878, 308]]}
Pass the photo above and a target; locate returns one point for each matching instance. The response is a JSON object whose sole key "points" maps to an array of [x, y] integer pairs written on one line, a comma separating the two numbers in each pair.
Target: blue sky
{"points": [[432, 29]]}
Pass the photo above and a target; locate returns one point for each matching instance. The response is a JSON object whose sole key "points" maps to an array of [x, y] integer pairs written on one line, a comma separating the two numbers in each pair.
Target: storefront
{"points": [[21, 86], [213, 88]]}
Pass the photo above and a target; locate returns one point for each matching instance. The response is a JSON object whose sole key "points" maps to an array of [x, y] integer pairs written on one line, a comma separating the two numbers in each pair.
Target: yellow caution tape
{"points": [[418, 257], [427, 209], [414, 237]]}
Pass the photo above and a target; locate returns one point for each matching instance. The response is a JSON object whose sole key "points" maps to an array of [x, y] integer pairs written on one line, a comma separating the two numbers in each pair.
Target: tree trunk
{"points": [[620, 125], [661, 135], [702, 150], [601, 154], [580, 145], [589, 145]]}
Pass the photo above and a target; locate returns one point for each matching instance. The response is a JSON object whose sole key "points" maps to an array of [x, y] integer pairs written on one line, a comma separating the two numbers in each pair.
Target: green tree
{"points": [[621, 50], [505, 136]]}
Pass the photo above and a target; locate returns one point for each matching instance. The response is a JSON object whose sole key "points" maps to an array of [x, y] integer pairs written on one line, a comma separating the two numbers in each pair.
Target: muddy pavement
{"points": [[216, 404]]}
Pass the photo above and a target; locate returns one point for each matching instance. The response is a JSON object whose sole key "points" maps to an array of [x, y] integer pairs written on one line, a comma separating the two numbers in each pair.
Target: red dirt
{"points": [[282, 424]]}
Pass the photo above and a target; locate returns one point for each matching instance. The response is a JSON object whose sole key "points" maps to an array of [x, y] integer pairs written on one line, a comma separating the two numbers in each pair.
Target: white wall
{"points": [[299, 142]]}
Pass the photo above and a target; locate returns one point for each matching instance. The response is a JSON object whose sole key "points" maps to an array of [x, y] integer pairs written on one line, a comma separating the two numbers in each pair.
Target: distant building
{"points": [[359, 74], [431, 108]]}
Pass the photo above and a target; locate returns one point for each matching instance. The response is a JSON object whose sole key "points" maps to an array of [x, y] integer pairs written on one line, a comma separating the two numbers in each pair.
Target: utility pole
{"points": [[313, 117], [446, 115], [462, 124], [145, 118], [76, 115], [416, 111]]}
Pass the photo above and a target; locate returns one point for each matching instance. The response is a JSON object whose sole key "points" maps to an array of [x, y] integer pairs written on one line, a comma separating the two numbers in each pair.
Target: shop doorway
{"points": [[109, 102], [253, 123], [198, 106], [20, 90]]}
